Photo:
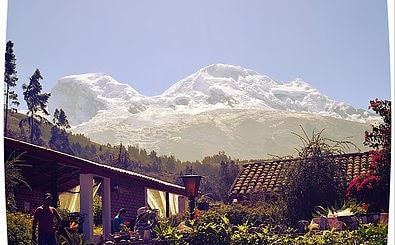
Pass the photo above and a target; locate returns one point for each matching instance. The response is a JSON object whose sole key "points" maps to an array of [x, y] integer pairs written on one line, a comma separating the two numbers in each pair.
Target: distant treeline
{"points": [[218, 171]]}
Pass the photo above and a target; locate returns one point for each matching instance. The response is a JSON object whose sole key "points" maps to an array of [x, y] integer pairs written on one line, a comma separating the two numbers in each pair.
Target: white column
{"points": [[106, 207], [86, 204]]}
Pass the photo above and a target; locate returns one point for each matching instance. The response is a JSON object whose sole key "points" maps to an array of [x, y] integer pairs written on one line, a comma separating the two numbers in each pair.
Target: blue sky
{"points": [[339, 47]]}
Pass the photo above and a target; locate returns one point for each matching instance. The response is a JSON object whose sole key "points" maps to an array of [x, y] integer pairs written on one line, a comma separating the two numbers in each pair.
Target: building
{"points": [[268, 176], [57, 173]]}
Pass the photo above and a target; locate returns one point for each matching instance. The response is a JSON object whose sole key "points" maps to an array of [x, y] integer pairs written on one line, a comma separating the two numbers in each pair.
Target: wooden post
{"points": [[54, 186], [167, 204]]}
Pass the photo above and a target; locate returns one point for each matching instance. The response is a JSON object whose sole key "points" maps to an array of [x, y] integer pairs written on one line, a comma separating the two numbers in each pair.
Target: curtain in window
{"points": [[157, 200]]}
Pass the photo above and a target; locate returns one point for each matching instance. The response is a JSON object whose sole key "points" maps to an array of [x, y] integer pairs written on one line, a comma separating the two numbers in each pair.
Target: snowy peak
{"points": [[83, 96], [220, 107], [214, 87], [227, 71], [101, 85], [222, 86], [228, 78]]}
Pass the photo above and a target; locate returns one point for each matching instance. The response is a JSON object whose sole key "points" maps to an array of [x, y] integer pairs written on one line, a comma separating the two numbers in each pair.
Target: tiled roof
{"points": [[70, 160], [268, 176]]}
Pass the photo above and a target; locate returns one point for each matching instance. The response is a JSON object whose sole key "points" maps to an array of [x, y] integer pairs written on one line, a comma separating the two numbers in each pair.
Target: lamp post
{"points": [[191, 184]]}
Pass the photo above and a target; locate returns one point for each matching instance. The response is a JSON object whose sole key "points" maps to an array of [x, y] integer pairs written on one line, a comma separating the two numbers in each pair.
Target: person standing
{"points": [[119, 219], [44, 216]]}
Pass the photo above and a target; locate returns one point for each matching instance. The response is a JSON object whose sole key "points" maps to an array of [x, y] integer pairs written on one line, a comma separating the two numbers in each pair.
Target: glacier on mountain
{"points": [[217, 86], [108, 111]]}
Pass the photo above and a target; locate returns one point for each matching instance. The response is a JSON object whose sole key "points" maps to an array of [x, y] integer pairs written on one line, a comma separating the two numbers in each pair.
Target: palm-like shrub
{"points": [[315, 178], [14, 177]]}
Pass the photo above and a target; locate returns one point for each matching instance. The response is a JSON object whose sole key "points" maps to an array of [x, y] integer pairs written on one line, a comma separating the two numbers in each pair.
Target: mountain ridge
{"points": [[231, 87], [203, 111]]}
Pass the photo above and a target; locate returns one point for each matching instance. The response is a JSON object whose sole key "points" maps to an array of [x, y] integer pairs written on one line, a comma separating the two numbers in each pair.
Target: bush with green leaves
{"points": [[245, 235], [315, 179], [167, 229], [19, 228], [97, 210], [257, 214], [366, 234], [211, 233], [222, 225], [216, 228]]}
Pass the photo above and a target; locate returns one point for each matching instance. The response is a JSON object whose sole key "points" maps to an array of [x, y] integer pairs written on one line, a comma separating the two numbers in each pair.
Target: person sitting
{"points": [[119, 219], [145, 222]]}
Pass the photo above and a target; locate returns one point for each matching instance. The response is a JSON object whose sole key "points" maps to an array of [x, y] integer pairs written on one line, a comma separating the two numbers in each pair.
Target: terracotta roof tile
{"points": [[269, 175]]}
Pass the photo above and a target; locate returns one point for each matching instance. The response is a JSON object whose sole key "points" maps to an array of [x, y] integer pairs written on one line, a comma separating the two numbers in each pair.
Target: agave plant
{"points": [[348, 208]]}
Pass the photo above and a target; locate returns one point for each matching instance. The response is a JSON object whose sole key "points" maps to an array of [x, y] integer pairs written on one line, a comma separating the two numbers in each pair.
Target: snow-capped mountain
{"points": [[83, 96], [210, 107]]}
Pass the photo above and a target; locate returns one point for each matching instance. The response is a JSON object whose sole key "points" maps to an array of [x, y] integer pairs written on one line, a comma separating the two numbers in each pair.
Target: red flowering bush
{"points": [[363, 188], [373, 188]]}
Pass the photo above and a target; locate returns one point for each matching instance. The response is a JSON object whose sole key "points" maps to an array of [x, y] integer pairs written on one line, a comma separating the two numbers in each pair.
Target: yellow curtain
{"points": [[70, 200], [157, 200]]}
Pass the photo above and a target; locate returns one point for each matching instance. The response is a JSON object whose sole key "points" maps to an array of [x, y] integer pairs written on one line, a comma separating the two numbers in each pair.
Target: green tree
{"points": [[170, 162], [59, 138], [217, 158], [155, 162], [315, 178], [10, 79], [227, 173], [123, 158], [36, 105]]}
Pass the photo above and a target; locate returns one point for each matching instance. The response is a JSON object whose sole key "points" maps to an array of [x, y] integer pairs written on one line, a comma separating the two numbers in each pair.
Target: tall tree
{"points": [[155, 162], [59, 137], [227, 173], [123, 157], [10, 79], [36, 105]]}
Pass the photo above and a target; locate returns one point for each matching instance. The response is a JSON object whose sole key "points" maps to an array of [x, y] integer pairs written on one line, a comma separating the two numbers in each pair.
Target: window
{"points": [[157, 200]]}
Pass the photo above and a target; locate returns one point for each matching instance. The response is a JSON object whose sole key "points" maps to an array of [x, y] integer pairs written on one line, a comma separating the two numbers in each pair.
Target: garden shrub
{"points": [[211, 233], [253, 215], [97, 210], [219, 230], [244, 235], [316, 178], [167, 229], [19, 228], [366, 234], [371, 234]]}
